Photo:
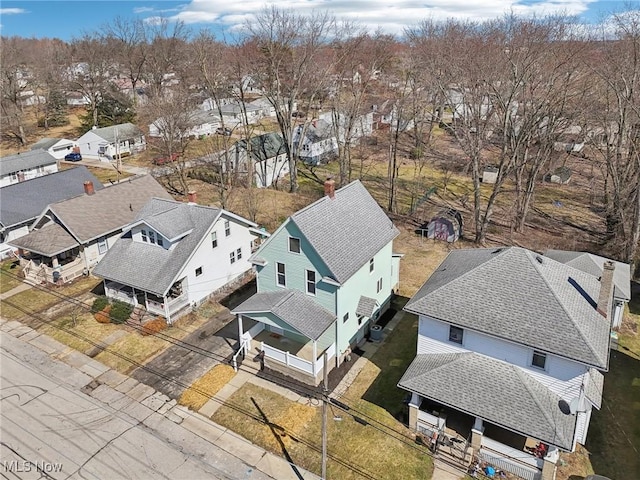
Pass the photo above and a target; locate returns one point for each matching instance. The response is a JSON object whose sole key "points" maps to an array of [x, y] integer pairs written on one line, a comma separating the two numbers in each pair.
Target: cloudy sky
{"points": [[68, 19]]}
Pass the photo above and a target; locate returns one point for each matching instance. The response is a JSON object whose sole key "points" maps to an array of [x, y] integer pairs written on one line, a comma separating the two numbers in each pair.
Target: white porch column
{"points": [[476, 435], [165, 306], [240, 332], [315, 358], [414, 407]]}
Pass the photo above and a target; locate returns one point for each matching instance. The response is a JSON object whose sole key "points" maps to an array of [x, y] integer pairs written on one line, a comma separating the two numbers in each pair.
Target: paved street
{"points": [[65, 415]]}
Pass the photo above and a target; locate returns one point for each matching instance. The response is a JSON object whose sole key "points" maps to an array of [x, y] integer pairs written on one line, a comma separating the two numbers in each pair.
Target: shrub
{"points": [[120, 311], [154, 326], [103, 316], [99, 304]]}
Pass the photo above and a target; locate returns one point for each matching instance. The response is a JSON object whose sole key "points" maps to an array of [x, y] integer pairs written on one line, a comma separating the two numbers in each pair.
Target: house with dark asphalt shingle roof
{"points": [[323, 279], [21, 203], [71, 236], [593, 264], [57, 147], [174, 255], [510, 350], [268, 156], [25, 166]]}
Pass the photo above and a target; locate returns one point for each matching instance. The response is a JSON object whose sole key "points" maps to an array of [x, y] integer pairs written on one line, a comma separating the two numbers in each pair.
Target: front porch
{"points": [[39, 269], [170, 306], [502, 448]]}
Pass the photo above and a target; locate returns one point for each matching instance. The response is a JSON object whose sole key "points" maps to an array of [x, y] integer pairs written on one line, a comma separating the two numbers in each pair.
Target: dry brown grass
{"points": [[80, 336], [206, 387], [154, 326]]}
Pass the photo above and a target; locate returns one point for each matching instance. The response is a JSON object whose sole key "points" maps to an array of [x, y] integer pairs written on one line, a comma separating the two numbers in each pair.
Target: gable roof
{"points": [[520, 296], [494, 390], [49, 240], [25, 161], [122, 132], [150, 267], [24, 201], [593, 265], [346, 231], [265, 146], [293, 307], [46, 143], [87, 217]]}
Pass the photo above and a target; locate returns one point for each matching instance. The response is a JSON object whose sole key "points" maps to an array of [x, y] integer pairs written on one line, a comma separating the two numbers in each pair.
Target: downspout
{"points": [[337, 329]]}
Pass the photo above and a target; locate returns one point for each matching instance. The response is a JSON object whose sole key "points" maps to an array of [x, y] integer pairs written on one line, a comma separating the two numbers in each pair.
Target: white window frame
{"points": [[103, 246], [227, 228], [372, 265], [199, 271], [310, 278], [239, 253], [143, 232], [294, 239], [281, 275], [214, 239], [345, 317], [379, 285], [232, 257]]}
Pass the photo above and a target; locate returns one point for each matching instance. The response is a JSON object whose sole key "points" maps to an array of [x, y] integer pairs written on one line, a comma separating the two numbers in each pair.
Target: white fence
{"points": [[510, 459]]}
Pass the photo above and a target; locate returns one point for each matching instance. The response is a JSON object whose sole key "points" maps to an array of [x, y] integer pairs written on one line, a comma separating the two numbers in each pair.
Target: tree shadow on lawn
{"points": [[393, 358], [614, 433]]}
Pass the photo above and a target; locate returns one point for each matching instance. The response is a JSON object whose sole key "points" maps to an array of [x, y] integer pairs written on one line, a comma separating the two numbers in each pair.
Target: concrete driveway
{"points": [[215, 342]]}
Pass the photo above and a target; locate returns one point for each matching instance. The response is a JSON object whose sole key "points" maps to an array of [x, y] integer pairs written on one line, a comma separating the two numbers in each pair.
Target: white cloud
{"points": [[391, 17], [12, 11], [143, 9]]}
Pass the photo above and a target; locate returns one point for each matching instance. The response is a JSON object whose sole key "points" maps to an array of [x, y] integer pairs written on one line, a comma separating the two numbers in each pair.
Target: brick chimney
{"points": [[606, 289], [193, 196], [88, 187], [330, 188]]}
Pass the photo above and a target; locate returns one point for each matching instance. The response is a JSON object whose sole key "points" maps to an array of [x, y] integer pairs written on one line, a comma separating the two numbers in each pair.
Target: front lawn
{"points": [[8, 271]]}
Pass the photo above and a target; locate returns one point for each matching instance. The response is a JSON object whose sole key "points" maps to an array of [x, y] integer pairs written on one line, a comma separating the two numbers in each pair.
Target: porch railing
{"points": [[43, 273], [306, 366], [434, 420], [173, 305], [510, 459]]}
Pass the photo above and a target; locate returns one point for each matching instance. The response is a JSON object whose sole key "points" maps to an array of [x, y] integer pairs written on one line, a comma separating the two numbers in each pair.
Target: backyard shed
{"points": [[490, 174], [446, 225]]}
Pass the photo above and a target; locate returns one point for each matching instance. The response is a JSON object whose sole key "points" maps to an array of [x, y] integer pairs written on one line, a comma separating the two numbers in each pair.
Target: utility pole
{"points": [[324, 416]]}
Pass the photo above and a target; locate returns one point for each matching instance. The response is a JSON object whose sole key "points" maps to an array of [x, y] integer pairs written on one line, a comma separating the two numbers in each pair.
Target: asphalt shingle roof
{"points": [[593, 265], [520, 296], [150, 267], [24, 201], [263, 147], [45, 143], [292, 307], [366, 306], [494, 390], [91, 216], [122, 131], [346, 231], [25, 161], [50, 240]]}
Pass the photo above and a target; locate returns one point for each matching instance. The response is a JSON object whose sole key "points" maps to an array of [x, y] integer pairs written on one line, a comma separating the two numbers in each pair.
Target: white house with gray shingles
{"points": [[57, 147], [268, 156], [174, 255], [511, 346], [108, 143], [25, 166], [594, 264], [70, 237], [323, 279], [21, 203]]}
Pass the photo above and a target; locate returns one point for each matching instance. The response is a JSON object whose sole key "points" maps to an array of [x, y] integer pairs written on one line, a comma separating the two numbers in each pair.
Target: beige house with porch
{"points": [[70, 237]]}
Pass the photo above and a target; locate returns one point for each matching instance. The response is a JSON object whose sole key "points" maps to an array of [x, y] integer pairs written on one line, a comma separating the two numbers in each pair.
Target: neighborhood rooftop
{"points": [[265, 146], [518, 295], [25, 161], [120, 132], [345, 231], [492, 389], [24, 201]]}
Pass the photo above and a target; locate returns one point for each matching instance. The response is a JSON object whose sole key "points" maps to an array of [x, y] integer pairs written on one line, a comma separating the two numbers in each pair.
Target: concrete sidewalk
{"points": [[10, 293], [137, 410]]}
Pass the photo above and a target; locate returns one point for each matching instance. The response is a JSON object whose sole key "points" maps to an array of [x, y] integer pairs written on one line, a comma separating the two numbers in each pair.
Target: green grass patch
{"points": [[39, 299], [293, 430], [8, 271]]}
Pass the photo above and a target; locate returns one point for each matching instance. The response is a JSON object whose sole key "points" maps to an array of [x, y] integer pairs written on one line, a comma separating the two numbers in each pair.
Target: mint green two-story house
{"points": [[323, 278]]}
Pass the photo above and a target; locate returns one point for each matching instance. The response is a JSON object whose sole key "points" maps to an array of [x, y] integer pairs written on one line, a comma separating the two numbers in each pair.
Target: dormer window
{"points": [[456, 334], [144, 235], [152, 236], [539, 359]]}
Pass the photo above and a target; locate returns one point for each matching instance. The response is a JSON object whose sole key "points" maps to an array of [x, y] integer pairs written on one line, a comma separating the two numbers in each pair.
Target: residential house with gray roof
{"points": [[315, 142], [267, 154], [594, 265], [25, 166], [71, 236], [21, 203], [174, 255], [510, 353], [323, 279], [110, 143], [57, 147]]}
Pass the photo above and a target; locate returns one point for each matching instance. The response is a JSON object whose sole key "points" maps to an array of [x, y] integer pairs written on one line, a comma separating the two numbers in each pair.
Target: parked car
{"points": [[223, 131], [73, 157], [163, 160]]}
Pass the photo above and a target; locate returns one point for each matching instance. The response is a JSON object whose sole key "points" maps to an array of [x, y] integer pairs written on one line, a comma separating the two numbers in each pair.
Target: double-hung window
{"points": [[232, 257], [227, 228], [102, 245], [311, 282], [214, 239], [281, 277], [456, 334]]}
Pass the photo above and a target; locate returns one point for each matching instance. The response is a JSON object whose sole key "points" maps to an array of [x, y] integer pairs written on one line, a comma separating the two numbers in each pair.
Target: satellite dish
{"points": [[564, 407]]}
